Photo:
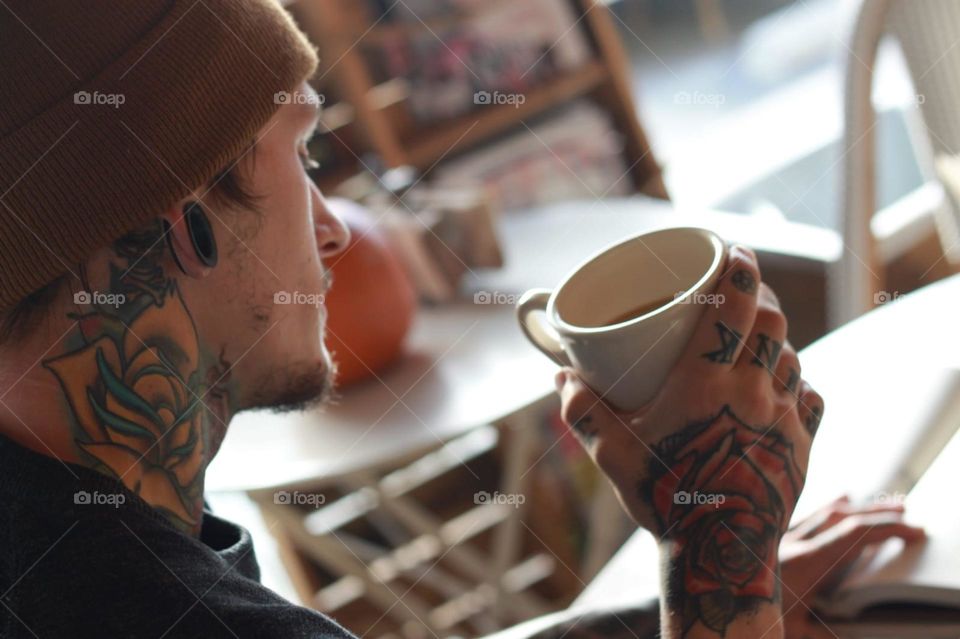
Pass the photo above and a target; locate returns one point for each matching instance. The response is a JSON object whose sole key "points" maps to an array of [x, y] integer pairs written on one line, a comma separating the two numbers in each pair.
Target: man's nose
{"points": [[333, 235]]}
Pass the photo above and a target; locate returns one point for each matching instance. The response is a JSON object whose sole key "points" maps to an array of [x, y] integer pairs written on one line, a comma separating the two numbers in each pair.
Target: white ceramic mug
{"points": [[590, 321]]}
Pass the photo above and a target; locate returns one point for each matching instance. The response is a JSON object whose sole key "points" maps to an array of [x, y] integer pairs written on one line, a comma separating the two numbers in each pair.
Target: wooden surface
{"points": [[616, 94], [884, 378], [468, 364]]}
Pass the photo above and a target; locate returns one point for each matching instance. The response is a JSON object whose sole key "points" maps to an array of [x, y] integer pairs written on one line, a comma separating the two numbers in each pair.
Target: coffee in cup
{"points": [[623, 317]]}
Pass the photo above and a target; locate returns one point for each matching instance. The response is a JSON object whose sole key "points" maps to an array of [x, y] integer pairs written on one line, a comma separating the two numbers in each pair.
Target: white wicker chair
{"points": [[928, 32]]}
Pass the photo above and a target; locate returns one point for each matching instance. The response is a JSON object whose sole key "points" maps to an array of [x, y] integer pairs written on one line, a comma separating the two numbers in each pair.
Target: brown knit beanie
{"points": [[112, 110]]}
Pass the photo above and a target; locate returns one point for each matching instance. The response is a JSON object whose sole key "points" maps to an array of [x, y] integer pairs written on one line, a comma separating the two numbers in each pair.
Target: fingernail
{"points": [[560, 379], [743, 251]]}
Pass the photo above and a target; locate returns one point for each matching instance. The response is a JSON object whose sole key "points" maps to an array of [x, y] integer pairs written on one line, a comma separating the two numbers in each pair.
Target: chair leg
{"points": [[713, 22]]}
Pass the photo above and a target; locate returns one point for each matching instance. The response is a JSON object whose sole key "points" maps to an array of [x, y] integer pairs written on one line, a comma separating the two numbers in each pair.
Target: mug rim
{"points": [[566, 327]]}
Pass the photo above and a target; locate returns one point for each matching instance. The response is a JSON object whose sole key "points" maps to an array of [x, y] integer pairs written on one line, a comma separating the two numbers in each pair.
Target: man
{"points": [[154, 198]]}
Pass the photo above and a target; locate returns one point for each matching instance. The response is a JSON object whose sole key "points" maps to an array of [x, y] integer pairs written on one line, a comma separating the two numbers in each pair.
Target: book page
{"points": [[927, 571]]}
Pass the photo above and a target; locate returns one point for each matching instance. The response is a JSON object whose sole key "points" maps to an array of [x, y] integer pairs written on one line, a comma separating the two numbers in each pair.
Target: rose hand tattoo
{"points": [[722, 493]]}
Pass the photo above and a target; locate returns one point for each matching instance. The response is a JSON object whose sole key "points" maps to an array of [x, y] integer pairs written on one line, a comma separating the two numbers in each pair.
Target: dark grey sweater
{"points": [[104, 569]]}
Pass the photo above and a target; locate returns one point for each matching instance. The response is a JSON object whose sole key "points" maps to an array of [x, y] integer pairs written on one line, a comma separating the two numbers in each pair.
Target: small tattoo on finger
{"points": [[744, 281], [583, 429], [793, 380], [813, 420], [768, 352], [729, 340]]}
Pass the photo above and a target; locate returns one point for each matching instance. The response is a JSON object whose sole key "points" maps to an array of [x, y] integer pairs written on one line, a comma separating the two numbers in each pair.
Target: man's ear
{"points": [[180, 240]]}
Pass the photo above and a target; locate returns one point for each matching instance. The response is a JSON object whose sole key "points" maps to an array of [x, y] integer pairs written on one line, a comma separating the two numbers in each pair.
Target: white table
{"points": [[542, 245]]}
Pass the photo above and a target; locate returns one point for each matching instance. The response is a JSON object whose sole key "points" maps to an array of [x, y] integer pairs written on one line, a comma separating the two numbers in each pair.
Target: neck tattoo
{"points": [[148, 406]]}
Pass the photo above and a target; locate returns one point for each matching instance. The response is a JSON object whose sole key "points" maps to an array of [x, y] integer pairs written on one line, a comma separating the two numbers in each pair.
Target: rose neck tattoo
{"points": [[148, 406], [722, 493]]}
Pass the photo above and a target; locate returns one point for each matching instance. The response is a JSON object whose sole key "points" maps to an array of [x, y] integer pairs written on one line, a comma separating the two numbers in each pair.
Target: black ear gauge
{"points": [[201, 234], [168, 234]]}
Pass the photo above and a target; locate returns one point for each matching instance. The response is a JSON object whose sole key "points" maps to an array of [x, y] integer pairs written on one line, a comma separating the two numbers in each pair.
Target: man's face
{"points": [[263, 303]]}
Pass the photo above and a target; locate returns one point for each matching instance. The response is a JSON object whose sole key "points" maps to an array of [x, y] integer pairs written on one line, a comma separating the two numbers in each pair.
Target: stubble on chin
{"points": [[293, 386], [299, 386]]}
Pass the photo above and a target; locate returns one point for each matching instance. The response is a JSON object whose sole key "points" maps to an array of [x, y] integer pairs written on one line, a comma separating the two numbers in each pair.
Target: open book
{"points": [[922, 574]]}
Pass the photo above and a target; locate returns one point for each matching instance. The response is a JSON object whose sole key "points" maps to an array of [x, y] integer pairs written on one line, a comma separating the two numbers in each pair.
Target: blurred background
{"points": [[733, 106]]}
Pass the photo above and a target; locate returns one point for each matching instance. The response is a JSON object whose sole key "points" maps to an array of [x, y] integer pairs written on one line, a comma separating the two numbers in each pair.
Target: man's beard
{"points": [[296, 387]]}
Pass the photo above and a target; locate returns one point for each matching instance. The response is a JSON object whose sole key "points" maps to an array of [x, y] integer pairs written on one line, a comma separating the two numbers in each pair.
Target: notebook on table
{"points": [[895, 584]]}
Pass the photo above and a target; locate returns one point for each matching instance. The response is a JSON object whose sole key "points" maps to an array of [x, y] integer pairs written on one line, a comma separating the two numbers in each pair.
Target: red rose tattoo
{"points": [[724, 492]]}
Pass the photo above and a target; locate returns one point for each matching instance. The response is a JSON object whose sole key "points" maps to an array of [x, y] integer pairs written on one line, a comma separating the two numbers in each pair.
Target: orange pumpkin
{"points": [[371, 305]]}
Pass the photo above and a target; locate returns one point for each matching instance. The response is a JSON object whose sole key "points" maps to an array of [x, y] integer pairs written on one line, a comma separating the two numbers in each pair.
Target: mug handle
{"points": [[541, 334]]}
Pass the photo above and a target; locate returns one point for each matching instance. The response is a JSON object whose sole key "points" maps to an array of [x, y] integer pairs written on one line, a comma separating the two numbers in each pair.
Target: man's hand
{"points": [[818, 549], [714, 465], [813, 554]]}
